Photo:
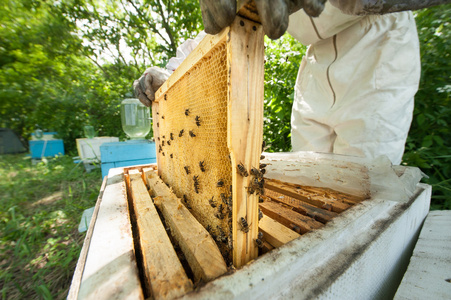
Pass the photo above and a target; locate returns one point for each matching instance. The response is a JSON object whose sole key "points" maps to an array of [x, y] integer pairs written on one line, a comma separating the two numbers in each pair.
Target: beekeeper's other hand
{"points": [[146, 86], [273, 14]]}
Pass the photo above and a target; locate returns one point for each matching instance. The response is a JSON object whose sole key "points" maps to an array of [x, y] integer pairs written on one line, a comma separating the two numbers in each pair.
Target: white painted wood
{"points": [[110, 270], [429, 273]]}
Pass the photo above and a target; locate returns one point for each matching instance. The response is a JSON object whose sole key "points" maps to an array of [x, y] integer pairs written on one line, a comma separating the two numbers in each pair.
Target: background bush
{"points": [[69, 63]]}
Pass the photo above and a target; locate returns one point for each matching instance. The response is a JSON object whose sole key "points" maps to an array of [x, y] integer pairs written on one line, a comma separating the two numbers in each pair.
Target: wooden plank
{"points": [[320, 215], [333, 195], [198, 246], [111, 270], [275, 233], [163, 271], [428, 275], [297, 193], [245, 129], [76, 278], [289, 218]]}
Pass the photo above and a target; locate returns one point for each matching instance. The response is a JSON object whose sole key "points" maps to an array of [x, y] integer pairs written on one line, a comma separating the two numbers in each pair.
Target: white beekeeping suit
{"points": [[355, 87]]}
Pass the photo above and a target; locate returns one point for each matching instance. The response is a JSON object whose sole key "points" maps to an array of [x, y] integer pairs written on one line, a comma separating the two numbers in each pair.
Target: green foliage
{"points": [[429, 144], [39, 215], [282, 60]]}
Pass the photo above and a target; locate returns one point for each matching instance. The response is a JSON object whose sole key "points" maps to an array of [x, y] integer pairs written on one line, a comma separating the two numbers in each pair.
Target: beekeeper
{"points": [[355, 88]]}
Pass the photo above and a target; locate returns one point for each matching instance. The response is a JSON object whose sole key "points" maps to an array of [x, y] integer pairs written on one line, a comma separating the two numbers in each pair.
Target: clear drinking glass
{"points": [[135, 118]]}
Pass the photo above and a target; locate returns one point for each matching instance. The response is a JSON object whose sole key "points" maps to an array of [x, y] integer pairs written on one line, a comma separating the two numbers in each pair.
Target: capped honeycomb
{"points": [[192, 143]]}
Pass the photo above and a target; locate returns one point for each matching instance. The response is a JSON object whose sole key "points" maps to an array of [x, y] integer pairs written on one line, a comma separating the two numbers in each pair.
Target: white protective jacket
{"points": [[355, 86]]}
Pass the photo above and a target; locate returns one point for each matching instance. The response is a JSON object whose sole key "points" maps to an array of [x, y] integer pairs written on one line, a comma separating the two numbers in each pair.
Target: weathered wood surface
{"points": [[325, 170], [198, 246], [297, 193], [321, 215], [245, 129], [275, 233], [429, 273], [110, 270], [76, 279], [300, 223], [163, 271]]}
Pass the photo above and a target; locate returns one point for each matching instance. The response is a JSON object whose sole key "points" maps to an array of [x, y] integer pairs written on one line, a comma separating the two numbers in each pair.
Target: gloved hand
{"points": [[217, 14], [146, 86]]}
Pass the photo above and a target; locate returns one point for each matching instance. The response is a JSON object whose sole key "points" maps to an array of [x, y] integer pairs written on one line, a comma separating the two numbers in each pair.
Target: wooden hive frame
{"points": [[238, 142]]}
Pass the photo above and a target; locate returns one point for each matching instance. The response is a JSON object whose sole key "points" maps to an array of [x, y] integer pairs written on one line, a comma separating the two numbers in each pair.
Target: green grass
{"points": [[41, 207]]}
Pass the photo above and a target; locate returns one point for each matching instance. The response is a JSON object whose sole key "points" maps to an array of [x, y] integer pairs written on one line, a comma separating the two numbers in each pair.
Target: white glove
{"points": [[146, 86]]}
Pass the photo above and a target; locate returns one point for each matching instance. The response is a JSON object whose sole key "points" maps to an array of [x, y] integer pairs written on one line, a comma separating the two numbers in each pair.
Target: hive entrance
{"points": [[208, 119]]}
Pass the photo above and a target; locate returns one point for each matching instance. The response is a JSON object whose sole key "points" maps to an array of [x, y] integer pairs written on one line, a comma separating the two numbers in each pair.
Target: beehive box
{"points": [[318, 251]]}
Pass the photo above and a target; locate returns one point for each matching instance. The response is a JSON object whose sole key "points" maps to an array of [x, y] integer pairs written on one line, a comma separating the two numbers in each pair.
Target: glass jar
{"points": [[135, 118], [89, 131]]}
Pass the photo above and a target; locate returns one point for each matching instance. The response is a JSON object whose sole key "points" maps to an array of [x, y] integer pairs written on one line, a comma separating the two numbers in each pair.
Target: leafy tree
{"points": [[429, 144], [282, 60]]}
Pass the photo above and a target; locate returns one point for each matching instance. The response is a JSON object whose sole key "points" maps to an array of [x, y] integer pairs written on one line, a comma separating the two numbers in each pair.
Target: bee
{"points": [[256, 172], [262, 166], [259, 240], [171, 136], [197, 121], [224, 198], [221, 237], [202, 166], [208, 228], [165, 97], [158, 124], [219, 214], [242, 170], [186, 112], [230, 202], [196, 184], [250, 189], [186, 202], [169, 143], [162, 143], [262, 157], [261, 200], [212, 202], [244, 226], [259, 243], [171, 156], [162, 153], [230, 242], [160, 149], [181, 132], [191, 133], [187, 169], [263, 171], [162, 117], [260, 214], [220, 183]]}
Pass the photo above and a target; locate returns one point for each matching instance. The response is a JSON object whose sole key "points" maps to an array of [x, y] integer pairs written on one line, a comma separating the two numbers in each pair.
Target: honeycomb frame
{"points": [[208, 129]]}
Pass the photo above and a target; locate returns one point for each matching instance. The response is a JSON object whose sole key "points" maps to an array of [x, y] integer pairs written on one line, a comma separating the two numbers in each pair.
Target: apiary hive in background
{"points": [[208, 125]]}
